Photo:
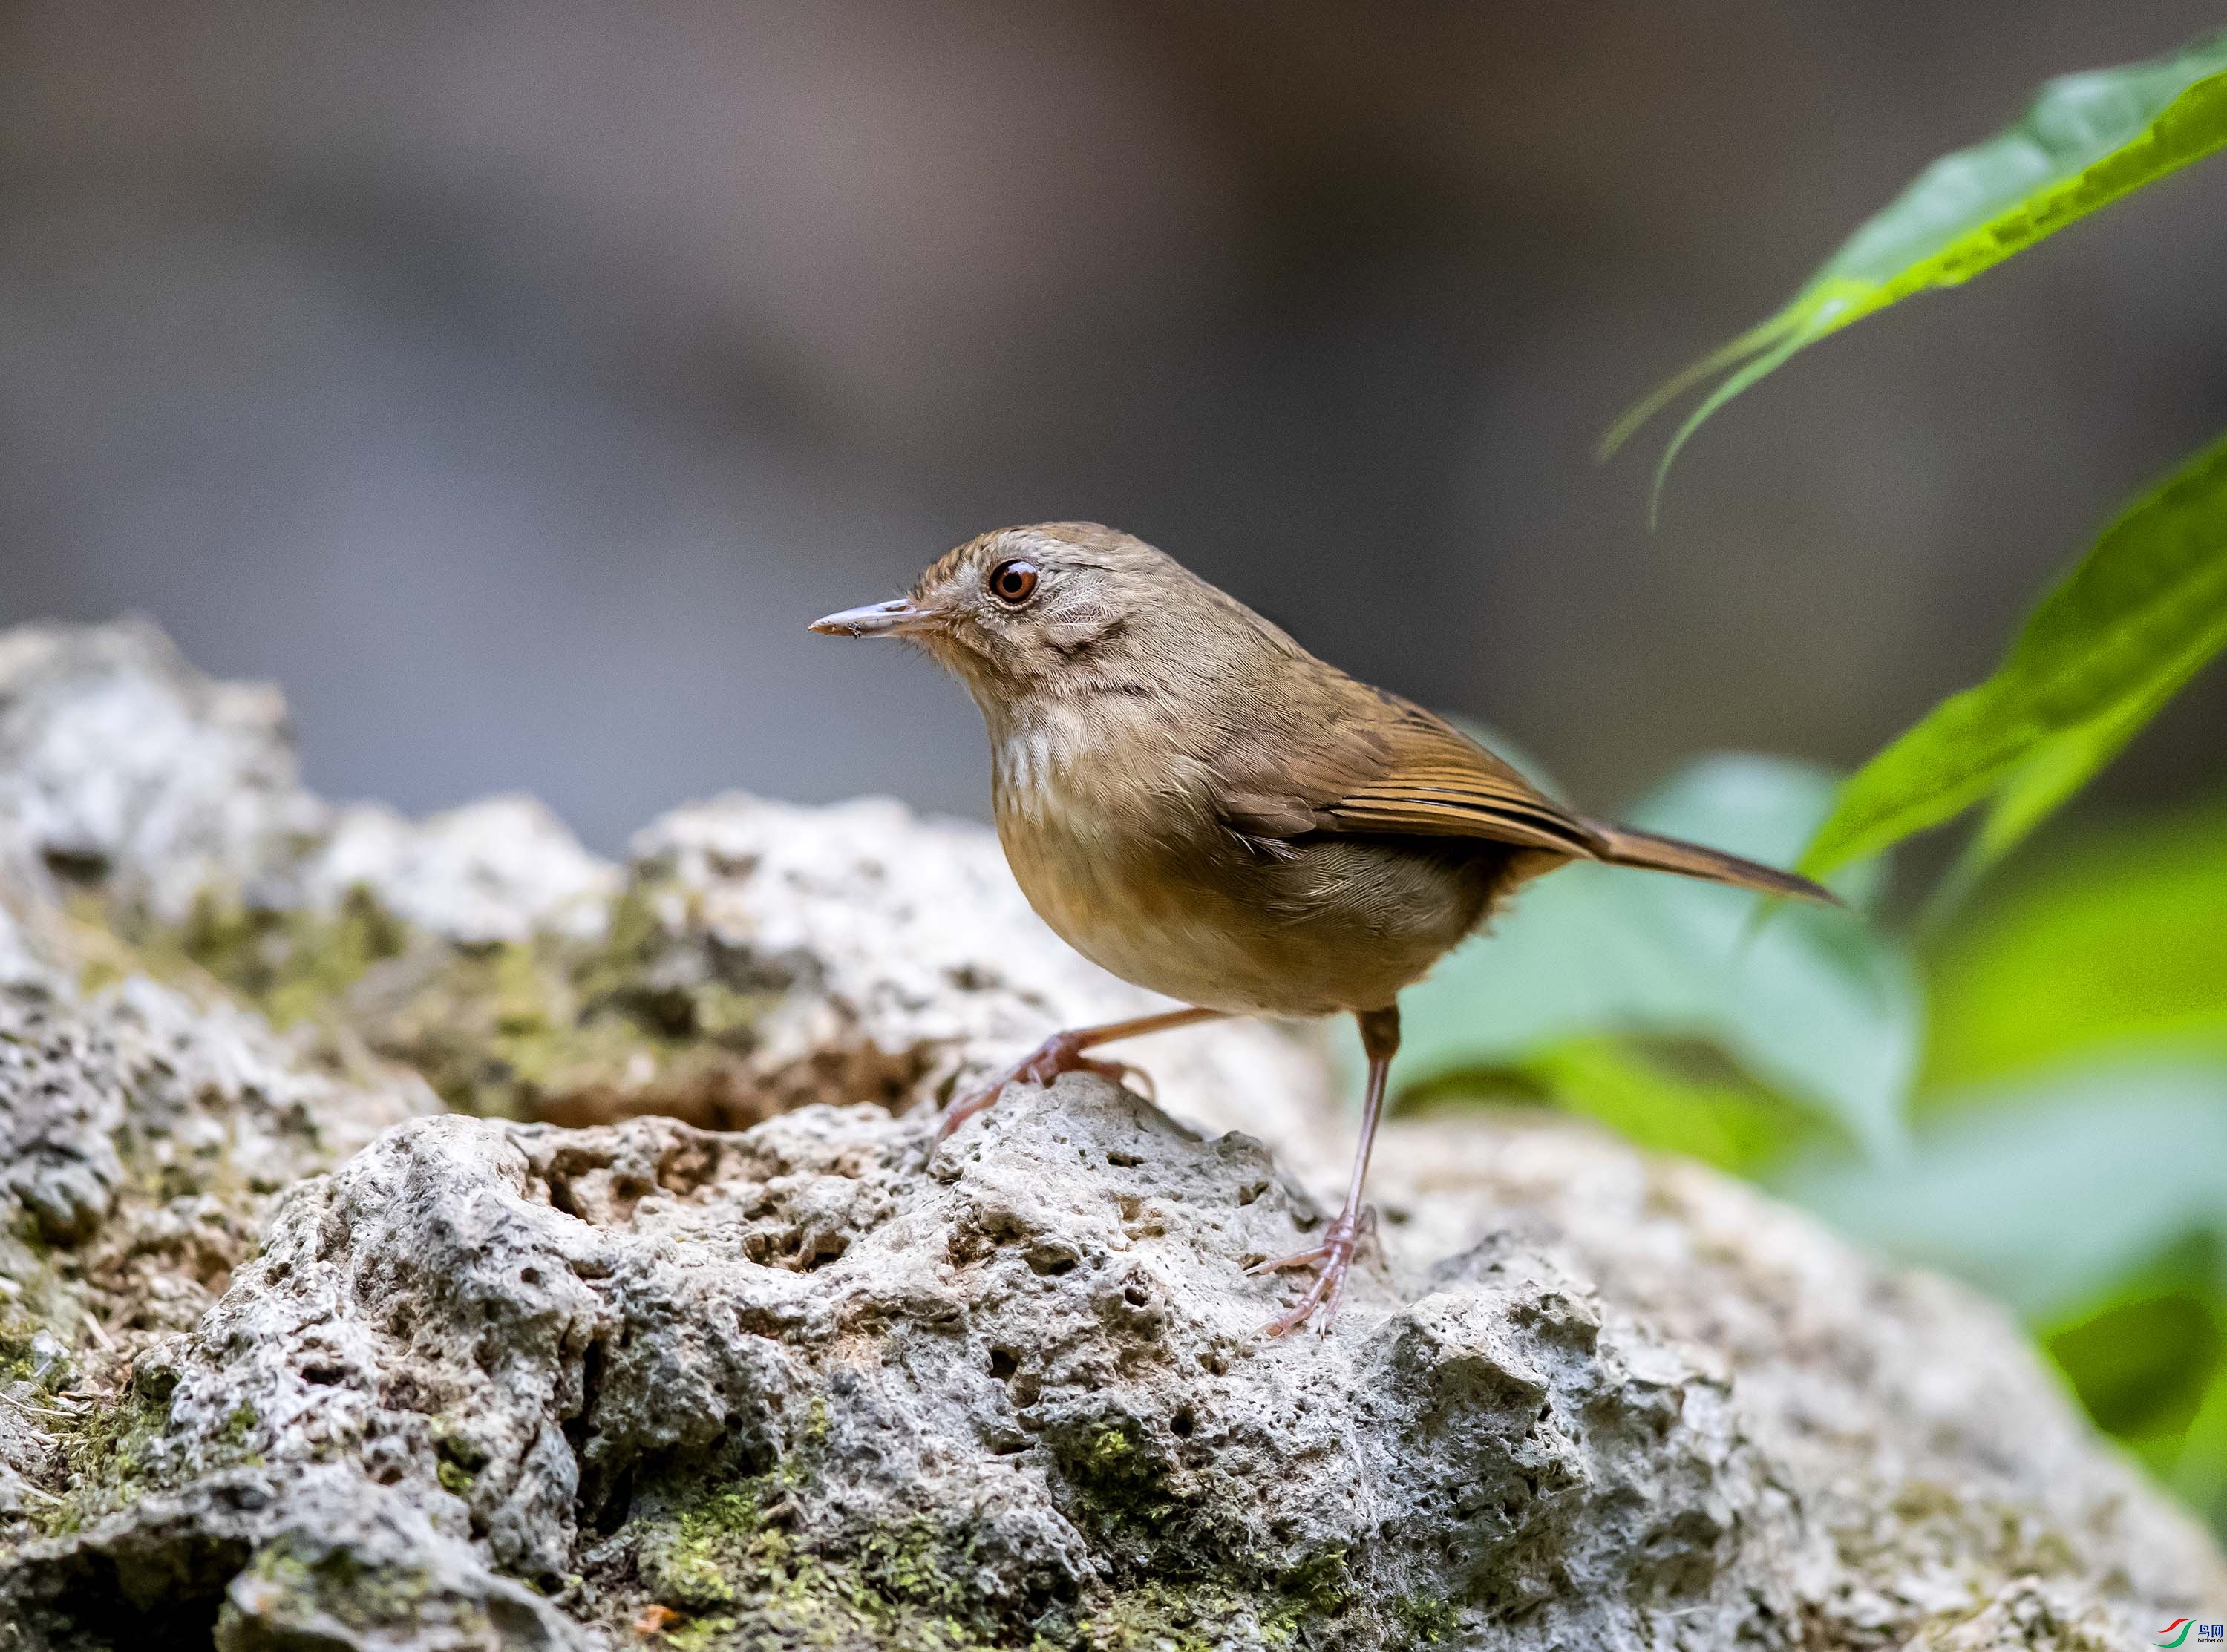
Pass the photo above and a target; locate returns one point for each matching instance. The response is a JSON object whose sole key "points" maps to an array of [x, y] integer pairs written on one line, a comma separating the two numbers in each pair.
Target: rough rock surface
{"points": [[290, 1358], [143, 1140]]}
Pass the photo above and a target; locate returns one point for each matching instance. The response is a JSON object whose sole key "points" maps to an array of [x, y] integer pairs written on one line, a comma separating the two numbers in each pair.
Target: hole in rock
{"points": [[577, 1427], [102, 1612], [75, 866], [616, 1506]]}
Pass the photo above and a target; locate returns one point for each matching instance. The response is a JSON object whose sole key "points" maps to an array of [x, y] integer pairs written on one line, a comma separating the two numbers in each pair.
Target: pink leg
{"points": [[1380, 1037], [1062, 1053]]}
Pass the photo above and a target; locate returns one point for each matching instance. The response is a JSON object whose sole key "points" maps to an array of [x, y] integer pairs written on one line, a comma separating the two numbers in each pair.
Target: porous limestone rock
{"points": [[289, 1359], [805, 1384], [125, 769], [120, 762], [143, 1139]]}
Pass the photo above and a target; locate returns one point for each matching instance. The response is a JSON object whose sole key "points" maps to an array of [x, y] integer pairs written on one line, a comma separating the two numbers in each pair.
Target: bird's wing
{"points": [[1378, 764]]}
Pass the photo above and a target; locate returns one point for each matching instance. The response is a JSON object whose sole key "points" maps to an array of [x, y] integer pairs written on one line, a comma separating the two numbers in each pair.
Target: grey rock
{"points": [[146, 1137], [24, 962], [125, 769], [143, 1092], [288, 1359], [246, 1561], [120, 762], [754, 1379], [61, 1105], [503, 870]]}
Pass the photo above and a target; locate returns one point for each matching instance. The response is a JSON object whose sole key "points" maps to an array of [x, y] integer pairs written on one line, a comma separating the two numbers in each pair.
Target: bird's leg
{"points": [[1379, 1037], [1062, 1053]]}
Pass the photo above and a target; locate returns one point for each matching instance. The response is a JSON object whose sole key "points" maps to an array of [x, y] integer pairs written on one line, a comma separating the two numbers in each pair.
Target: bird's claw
{"points": [[1335, 1257], [1061, 1052]]}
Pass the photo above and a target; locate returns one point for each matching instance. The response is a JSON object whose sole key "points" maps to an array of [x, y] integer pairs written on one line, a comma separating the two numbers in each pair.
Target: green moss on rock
{"points": [[1319, 1587], [1117, 1477], [561, 1028], [108, 1459], [1424, 1620], [299, 1587], [292, 965], [741, 1567], [732, 1569], [1158, 1616], [18, 1362], [714, 1554], [1237, 1609], [517, 1030]]}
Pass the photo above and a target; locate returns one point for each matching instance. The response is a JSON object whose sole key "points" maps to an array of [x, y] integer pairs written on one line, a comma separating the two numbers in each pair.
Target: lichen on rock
{"points": [[291, 1357]]}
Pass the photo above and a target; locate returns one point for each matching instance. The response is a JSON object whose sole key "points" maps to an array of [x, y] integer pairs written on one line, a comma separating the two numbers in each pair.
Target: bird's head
{"points": [[1057, 608]]}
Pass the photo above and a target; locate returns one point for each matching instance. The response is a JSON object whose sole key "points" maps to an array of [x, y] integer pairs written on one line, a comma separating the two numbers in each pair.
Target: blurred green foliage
{"points": [[2146, 609], [2093, 1197], [2118, 637], [1818, 1006], [2118, 943], [2035, 1100]]}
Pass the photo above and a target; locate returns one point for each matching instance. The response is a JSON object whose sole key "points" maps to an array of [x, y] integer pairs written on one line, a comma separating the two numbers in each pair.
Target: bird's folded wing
{"points": [[1385, 765]]}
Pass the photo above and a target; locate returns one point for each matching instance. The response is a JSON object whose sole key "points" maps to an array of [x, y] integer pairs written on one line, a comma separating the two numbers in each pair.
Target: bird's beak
{"points": [[892, 619]]}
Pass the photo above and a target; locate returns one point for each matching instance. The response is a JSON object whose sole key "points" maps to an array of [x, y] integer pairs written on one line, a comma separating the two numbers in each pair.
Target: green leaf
{"points": [[2108, 647], [1817, 1007], [2048, 1194], [1668, 1098], [2197, 1470], [2121, 945], [2149, 1359], [2142, 1356], [2084, 141]]}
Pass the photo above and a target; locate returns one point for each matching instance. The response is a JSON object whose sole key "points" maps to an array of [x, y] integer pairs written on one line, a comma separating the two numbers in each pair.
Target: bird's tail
{"points": [[1624, 846]]}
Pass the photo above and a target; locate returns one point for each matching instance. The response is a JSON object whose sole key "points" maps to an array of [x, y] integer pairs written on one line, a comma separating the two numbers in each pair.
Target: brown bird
{"points": [[1195, 802]]}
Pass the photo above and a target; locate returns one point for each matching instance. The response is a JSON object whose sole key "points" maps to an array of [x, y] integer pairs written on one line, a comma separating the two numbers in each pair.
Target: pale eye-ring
{"points": [[1013, 582]]}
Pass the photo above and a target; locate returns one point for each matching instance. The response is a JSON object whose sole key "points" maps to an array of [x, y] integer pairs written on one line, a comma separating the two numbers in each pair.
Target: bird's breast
{"points": [[1104, 848], [1130, 865]]}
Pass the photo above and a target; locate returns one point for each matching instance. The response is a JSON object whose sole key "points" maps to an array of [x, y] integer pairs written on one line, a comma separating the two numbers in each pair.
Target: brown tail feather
{"points": [[1623, 846]]}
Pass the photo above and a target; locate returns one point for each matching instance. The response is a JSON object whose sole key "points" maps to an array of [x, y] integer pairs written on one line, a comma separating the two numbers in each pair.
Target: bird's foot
{"points": [[1334, 1257], [1061, 1052]]}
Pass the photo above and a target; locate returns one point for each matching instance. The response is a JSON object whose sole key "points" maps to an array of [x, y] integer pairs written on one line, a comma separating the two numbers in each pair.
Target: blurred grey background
{"points": [[512, 382]]}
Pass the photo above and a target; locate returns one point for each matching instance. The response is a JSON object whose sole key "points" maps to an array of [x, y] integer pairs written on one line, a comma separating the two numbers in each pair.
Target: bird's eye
{"points": [[1014, 582]]}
